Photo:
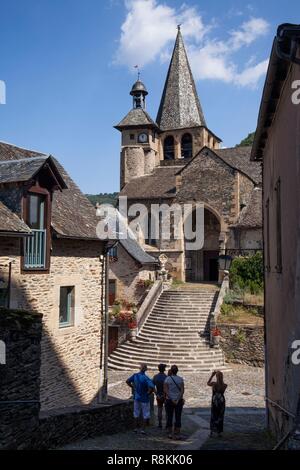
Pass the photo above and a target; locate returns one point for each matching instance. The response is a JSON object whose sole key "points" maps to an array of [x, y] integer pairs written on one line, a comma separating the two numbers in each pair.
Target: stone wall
{"points": [[127, 273], [20, 378], [243, 344], [70, 355], [22, 425], [220, 189], [70, 425]]}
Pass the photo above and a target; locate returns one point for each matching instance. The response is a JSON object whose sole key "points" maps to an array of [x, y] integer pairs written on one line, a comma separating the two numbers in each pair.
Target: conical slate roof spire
{"points": [[180, 106]]}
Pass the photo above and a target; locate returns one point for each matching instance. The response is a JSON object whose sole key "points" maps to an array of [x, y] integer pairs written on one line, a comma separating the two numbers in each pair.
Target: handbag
{"points": [[177, 401]]}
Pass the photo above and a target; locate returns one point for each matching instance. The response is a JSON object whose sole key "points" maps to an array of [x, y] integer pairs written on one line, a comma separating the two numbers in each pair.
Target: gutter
{"points": [[283, 55], [15, 234]]}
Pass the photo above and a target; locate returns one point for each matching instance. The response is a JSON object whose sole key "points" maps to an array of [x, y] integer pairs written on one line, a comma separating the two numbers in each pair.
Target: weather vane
{"points": [[138, 71], [178, 26]]}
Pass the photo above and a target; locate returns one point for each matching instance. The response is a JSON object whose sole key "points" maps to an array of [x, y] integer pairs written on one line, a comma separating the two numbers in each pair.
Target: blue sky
{"points": [[68, 69]]}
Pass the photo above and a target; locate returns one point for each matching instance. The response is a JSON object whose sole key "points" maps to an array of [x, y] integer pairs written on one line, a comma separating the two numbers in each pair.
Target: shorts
{"points": [[140, 407]]}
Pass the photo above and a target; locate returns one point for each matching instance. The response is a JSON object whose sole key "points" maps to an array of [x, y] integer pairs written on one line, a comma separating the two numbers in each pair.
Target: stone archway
{"points": [[202, 265]]}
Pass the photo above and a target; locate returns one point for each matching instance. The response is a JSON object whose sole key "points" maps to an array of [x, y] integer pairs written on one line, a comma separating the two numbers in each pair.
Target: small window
{"points": [[169, 148], [113, 252], [131, 136], [66, 306], [112, 291], [153, 233], [187, 146]]}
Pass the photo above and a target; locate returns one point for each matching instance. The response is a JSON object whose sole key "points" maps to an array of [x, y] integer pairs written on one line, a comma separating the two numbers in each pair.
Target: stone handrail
{"points": [[214, 315], [148, 303]]}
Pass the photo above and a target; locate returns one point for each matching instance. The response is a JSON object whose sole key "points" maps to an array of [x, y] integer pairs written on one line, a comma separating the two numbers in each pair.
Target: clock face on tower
{"points": [[143, 138]]}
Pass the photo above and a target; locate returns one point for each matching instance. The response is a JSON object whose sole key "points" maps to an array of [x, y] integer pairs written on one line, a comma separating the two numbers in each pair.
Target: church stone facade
{"points": [[178, 159]]}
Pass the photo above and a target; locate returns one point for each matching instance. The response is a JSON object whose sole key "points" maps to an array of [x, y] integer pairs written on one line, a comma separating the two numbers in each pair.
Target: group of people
{"points": [[169, 391]]}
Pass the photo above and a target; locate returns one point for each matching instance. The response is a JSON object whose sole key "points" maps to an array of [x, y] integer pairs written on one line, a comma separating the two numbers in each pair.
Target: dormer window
{"points": [[36, 246]]}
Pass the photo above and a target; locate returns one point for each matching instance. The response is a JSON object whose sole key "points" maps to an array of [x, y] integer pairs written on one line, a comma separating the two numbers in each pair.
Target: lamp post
{"points": [[105, 330], [225, 263]]}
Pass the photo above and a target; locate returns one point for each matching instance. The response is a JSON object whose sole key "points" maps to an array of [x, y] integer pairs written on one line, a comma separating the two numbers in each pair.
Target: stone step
{"points": [[191, 366], [159, 325], [180, 363], [175, 325], [201, 343], [133, 347], [176, 331], [158, 320], [180, 313], [166, 357]]}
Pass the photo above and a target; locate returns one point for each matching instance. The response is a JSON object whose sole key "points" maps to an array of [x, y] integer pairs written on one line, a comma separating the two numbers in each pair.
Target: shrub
{"points": [[241, 336], [246, 273], [226, 309]]}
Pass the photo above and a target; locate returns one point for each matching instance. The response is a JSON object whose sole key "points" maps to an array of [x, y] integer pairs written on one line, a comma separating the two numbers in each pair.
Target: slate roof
{"points": [[160, 184], [251, 215], [73, 216], [180, 106], [119, 230], [136, 117], [22, 170], [136, 251], [239, 158], [10, 222], [138, 86]]}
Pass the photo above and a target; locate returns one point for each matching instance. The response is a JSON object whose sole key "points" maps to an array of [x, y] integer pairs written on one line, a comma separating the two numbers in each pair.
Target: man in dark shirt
{"points": [[158, 381]]}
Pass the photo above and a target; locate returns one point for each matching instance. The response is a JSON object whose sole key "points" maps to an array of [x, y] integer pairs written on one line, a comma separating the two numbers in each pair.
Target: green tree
{"points": [[103, 198], [248, 141], [247, 272]]}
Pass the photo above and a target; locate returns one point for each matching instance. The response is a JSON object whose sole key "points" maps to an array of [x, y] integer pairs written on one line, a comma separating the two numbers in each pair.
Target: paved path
{"points": [[244, 414]]}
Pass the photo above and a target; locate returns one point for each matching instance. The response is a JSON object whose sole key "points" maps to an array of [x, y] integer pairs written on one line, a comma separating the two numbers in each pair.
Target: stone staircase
{"points": [[175, 332]]}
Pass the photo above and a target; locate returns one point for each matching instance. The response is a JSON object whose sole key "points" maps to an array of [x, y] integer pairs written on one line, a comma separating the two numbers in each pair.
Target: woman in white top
{"points": [[174, 390]]}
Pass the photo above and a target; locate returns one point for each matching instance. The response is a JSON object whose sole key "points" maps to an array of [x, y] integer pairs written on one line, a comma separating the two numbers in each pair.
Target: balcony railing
{"points": [[35, 250]]}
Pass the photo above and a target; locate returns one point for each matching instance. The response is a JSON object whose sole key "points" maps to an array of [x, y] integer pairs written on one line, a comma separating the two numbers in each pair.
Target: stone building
{"points": [[178, 159], [50, 262], [277, 145]]}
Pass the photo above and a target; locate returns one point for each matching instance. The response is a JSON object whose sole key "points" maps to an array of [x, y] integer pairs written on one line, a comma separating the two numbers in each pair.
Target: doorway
{"points": [[211, 266]]}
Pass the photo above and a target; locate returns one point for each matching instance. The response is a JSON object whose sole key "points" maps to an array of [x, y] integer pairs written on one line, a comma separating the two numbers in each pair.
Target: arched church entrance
{"points": [[203, 265]]}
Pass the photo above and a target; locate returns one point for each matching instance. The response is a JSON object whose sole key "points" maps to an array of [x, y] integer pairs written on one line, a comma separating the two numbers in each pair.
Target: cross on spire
{"points": [[138, 71]]}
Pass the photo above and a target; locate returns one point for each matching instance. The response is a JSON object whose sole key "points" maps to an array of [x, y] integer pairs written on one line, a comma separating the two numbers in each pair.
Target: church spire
{"points": [[180, 106]]}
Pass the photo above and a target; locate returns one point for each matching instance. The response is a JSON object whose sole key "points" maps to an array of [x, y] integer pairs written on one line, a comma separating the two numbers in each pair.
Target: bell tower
{"points": [[139, 138], [139, 93]]}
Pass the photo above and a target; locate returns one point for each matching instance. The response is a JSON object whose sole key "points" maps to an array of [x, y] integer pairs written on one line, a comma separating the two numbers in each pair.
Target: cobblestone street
{"points": [[244, 418]]}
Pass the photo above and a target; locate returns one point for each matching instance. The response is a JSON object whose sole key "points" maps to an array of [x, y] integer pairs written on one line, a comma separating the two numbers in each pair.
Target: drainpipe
{"points": [[288, 33]]}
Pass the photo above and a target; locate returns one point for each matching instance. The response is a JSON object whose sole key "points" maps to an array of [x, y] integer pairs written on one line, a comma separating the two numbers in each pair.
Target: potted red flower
{"points": [[216, 335]]}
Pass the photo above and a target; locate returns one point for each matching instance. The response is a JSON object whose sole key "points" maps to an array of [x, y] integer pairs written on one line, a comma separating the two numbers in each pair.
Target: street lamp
{"points": [[224, 265], [225, 262], [110, 244]]}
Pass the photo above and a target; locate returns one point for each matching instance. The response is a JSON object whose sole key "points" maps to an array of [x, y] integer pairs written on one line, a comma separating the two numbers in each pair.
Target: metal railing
{"points": [[35, 249]]}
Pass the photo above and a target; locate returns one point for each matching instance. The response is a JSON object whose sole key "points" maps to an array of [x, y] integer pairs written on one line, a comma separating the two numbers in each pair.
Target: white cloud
{"points": [[249, 32], [251, 75], [148, 34]]}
